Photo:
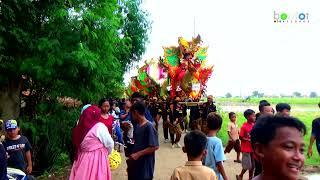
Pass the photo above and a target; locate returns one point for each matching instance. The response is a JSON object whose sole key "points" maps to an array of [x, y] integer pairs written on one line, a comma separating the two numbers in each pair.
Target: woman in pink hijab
{"points": [[93, 144]]}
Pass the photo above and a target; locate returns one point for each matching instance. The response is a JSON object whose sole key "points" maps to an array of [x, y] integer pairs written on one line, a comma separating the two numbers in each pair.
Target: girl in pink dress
{"points": [[93, 144]]}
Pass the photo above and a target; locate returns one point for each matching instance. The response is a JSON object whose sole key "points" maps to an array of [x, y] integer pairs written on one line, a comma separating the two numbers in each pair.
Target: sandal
{"points": [[237, 161]]}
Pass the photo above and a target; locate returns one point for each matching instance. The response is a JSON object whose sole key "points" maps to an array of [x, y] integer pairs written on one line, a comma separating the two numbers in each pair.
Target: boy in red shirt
{"points": [[246, 148]]}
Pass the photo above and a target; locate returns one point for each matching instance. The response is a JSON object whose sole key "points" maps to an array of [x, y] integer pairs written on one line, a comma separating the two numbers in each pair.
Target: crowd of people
{"points": [[269, 145]]}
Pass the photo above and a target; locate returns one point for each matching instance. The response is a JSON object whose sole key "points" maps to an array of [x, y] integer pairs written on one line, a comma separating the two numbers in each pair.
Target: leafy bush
{"points": [[50, 134], [78, 49]]}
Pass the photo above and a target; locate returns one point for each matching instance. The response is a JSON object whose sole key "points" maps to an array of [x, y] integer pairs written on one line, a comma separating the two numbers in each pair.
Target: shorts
{"points": [[233, 145], [247, 161]]}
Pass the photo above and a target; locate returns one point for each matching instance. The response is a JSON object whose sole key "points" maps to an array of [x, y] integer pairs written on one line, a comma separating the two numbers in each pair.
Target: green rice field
{"points": [[290, 100], [299, 110]]}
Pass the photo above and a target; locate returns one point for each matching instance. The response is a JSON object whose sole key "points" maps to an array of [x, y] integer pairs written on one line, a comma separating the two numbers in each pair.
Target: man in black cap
{"points": [[207, 108]]}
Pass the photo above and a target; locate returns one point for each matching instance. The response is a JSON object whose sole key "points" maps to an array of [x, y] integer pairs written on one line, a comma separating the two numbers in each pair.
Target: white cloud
{"points": [[249, 51]]}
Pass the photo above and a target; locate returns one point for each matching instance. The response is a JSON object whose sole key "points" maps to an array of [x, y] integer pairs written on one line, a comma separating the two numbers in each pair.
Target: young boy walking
{"points": [[233, 132], [142, 160], [174, 130], [195, 146], [246, 149], [215, 156]]}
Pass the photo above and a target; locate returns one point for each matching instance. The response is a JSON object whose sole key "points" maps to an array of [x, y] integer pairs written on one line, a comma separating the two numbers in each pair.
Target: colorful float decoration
{"points": [[182, 71], [143, 83]]}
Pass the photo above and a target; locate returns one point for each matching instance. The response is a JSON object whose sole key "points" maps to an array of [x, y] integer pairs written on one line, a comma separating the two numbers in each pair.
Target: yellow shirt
{"points": [[193, 170]]}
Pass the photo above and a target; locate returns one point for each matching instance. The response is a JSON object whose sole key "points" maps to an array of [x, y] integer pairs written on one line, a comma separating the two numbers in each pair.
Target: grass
{"points": [[305, 117], [290, 100]]}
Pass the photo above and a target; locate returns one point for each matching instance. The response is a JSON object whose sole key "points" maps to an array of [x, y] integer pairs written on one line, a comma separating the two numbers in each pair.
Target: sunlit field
{"points": [[302, 112]]}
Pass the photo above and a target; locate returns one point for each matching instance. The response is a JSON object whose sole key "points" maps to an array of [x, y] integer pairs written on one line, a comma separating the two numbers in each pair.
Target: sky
{"points": [[248, 49]]}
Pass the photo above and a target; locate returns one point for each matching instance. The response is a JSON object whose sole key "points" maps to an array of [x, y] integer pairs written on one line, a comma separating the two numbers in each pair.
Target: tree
{"points": [[228, 95], [52, 49], [67, 48], [135, 32], [296, 94], [313, 94], [257, 94]]}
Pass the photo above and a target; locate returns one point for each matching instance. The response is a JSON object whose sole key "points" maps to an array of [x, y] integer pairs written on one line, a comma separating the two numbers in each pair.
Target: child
{"points": [[233, 132], [17, 147], [195, 146], [246, 149], [126, 123], [115, 112], [265, 108], [215, 157], [283, 109], [92, 144], [278, 143], [174, 130], [142, 160], [165, 125]]}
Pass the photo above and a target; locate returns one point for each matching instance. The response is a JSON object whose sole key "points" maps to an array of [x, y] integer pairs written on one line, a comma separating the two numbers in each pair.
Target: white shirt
{"points": [[105, 137]]}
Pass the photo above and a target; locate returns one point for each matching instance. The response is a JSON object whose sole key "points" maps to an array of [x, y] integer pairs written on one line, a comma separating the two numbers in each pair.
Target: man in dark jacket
{"points": [[207, 108]]}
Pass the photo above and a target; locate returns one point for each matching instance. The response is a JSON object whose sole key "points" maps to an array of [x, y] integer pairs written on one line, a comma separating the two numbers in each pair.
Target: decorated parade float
{"points": [[181, 72]]}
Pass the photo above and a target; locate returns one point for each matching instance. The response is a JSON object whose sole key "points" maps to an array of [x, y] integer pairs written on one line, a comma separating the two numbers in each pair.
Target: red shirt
{"points": [[108, 122], [245, 133]]}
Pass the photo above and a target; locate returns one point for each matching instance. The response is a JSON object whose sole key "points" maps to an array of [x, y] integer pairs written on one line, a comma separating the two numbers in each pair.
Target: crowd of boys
{"points": [[273, 142]]}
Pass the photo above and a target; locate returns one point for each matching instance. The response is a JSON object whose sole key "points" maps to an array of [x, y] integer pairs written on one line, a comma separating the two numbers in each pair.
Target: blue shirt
{"points": [[215, 154], [148, 115], [17, 150], [123, 112], [144, 136]]}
